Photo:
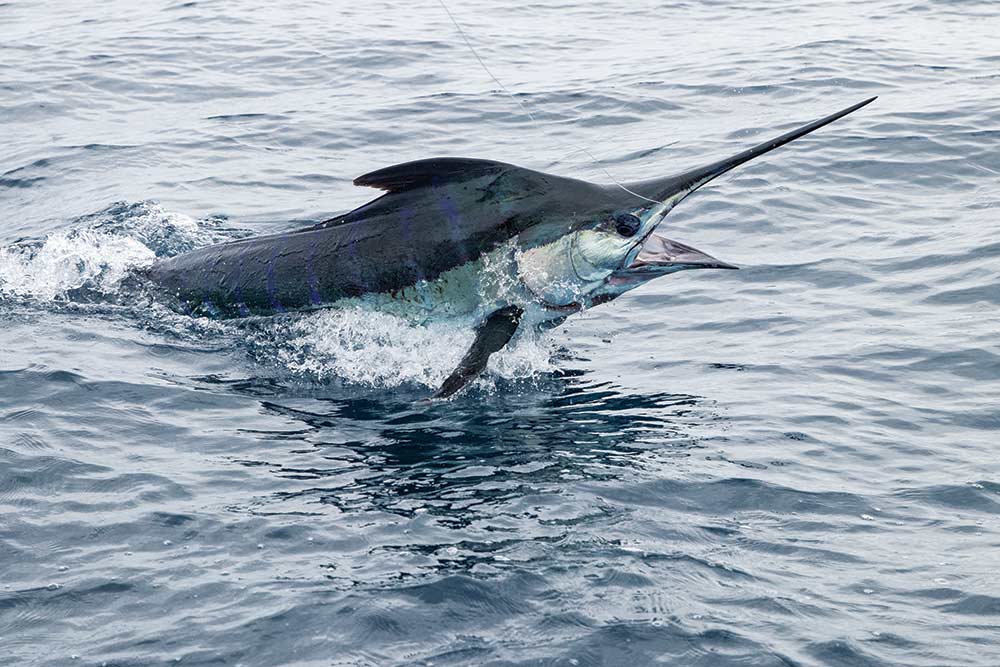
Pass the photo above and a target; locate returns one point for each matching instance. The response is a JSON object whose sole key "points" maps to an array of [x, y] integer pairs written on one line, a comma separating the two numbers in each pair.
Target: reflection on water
{"points": [[403, 455]]}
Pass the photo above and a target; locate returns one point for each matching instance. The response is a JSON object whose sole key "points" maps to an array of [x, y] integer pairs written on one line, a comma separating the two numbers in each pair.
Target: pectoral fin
{"points": [[495, 332]]}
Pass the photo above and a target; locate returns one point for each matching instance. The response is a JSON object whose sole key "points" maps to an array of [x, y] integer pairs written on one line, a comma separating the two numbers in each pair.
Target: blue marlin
{"points": [[502, 246]]}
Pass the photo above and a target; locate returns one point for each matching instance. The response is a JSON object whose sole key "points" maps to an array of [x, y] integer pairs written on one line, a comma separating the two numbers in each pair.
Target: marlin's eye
{"points": [[627, 224]]}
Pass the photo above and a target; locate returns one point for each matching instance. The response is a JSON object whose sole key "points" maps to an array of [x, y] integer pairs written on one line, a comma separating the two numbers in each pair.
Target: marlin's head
{"points": [[617, 254], [617, 250]]}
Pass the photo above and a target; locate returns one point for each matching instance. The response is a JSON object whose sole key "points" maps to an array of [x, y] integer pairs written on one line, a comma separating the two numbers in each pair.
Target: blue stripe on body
{"points": [[454, 218], [241, 306], [311, 278], [272, 296], [407, 227]]}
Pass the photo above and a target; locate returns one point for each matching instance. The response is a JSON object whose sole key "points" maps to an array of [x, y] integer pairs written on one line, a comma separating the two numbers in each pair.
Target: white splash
{"points": [[66, 261], [100, 249], [380, 350]]}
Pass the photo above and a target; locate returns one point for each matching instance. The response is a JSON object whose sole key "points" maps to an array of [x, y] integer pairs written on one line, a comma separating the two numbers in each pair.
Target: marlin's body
{"points": [[455, 237], [436, 226]]}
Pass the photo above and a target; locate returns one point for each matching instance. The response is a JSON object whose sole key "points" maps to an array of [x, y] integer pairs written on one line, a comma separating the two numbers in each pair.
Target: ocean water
{"points": [[792, 464]]}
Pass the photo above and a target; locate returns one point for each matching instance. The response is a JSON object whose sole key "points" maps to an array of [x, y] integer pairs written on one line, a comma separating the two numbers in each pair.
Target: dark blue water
{"points": [[793, 464]]}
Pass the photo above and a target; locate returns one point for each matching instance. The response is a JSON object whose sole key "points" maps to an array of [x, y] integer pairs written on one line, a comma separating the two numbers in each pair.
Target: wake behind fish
{"points": [[91, 260], [69, 261], [97, 251]]}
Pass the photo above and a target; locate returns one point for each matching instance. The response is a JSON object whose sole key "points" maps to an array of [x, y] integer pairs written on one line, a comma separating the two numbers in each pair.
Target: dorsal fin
{"points": [[430, 171]]}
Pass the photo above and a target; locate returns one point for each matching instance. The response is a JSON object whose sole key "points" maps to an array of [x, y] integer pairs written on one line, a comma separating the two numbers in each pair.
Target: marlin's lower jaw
{"points": [[658, 256]]}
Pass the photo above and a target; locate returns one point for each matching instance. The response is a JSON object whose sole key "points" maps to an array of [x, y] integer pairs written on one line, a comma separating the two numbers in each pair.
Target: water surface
{"points": [[792, 464]]}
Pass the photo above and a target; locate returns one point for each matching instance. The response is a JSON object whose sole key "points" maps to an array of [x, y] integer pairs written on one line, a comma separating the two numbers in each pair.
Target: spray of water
{"points": [[380, 350]]}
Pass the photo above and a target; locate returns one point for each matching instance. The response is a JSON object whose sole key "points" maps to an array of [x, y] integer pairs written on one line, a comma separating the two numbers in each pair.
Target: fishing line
{"points": [[576, 149]]}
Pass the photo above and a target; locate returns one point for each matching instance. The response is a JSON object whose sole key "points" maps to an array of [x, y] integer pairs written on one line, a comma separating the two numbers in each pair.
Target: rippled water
{"points": [[793, 464]]}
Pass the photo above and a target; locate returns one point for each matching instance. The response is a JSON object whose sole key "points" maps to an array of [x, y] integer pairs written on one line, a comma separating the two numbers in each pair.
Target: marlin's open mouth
{"points": [[659, 256], [658, 253]]}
